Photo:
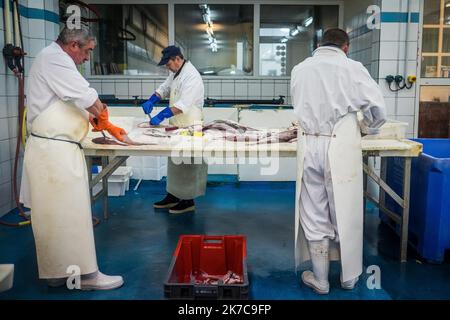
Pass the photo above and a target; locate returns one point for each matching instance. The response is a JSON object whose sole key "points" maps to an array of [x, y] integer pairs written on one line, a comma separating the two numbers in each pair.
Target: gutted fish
{"points": [[202, 277], [106, 140], [156, 133], [227, 125], [225, 130]]}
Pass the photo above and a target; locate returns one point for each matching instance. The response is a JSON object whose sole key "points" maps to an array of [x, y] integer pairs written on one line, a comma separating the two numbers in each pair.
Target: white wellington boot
{"points": [[55, 283], [100, 281], [318, 278], [350, 284]]}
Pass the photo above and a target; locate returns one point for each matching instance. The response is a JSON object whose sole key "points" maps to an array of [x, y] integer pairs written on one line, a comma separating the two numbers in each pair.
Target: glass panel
{"points": [[432, 9], [430, 40], [433, 112], [446, 40], [429, 67], [216, 38], [289, 34], [130, 39], [435, 93], [447, 12], [445, 67]]}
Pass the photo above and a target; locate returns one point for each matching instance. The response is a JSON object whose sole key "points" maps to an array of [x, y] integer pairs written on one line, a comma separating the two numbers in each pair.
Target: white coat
{"points": [[54, 76], [54, 179], [327, 90], [186, 92]]}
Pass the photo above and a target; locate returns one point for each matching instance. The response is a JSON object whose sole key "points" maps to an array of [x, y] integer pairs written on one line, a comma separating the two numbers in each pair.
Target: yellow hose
{"points": [[24, 127]]}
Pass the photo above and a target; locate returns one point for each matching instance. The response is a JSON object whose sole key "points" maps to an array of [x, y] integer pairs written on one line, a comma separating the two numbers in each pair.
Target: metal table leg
{"points": [[108, 167], [366, 162], [89, 172], [105, 162], [383, 174], [405, 213], [401, 220]]}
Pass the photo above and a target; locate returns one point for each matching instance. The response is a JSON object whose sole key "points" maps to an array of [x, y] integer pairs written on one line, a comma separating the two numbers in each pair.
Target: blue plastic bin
{"points": [[429, 222]]}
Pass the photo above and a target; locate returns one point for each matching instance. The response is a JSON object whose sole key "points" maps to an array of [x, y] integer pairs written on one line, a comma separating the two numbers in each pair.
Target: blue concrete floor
{"points": [[137, 242]]}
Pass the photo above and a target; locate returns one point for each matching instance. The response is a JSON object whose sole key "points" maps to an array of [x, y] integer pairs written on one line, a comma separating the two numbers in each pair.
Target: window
{"points": [[435, 94], [436, 39], [216, 38], [130, 39], [290, 33]]}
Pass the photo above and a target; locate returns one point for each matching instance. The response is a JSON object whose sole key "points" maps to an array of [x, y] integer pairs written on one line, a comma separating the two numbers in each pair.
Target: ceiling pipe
{"points": [[7, 21]]}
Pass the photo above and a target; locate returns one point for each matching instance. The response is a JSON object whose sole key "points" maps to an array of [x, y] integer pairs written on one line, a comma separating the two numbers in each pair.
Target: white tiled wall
{"points": [[223, 88], [36, 35], [386, 52], [364, 42], [399, 56], [6, 203]]}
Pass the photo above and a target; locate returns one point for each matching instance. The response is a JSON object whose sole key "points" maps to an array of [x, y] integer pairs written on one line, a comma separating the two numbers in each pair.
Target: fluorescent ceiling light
{"points": [[208, 72], [209, 31], [206, 18], [206, 15], [274, 32], [213, 46], [308, 22]]}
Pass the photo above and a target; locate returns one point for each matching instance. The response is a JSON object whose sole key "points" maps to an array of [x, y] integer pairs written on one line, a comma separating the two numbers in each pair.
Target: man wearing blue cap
{"points": [[184, 87]]}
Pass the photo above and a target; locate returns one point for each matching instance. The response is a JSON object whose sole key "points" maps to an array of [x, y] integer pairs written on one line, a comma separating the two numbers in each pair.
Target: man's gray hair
{"points": [[82, 36]]}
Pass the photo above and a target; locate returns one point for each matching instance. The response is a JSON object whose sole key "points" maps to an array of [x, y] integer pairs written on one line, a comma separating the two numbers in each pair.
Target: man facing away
{"points": [[328, 89]]}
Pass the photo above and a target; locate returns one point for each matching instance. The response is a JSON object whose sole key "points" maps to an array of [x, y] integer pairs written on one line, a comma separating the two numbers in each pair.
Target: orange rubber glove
{"points": [[116, 132], [101, 122]]}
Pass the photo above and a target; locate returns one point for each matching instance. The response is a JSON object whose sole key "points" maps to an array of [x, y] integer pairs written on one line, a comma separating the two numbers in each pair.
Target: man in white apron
{"points": [[54, 178], [185, 88], [327, 90]]}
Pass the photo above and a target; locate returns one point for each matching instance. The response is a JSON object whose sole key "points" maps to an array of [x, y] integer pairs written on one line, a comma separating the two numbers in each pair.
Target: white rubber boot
{"points": [[350, 284], [56, 283], [318, 278], [100, 281]]}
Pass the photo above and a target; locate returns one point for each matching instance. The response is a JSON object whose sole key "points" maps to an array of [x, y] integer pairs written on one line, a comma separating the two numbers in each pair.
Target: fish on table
{"points": [[218, 129]]}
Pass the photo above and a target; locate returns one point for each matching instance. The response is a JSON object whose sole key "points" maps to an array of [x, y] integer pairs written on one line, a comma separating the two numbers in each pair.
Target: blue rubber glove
{"points": [[148, 105], [164, 114]]}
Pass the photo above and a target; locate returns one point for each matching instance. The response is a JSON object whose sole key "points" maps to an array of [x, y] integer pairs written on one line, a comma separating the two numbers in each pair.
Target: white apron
{"points": [[345, 161], [185, 181], [55, 186]]}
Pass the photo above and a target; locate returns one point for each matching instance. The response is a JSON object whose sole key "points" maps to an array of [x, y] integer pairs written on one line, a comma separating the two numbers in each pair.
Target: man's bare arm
{"points": [[96, 108], [175, 110]]}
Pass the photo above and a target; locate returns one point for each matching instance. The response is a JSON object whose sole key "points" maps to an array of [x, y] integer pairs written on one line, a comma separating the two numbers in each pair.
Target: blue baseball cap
{"points": [[167, 53]]}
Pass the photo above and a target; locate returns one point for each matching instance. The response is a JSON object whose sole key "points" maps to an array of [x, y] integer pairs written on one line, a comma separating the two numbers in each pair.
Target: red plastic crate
{"points": [[215, 255]]}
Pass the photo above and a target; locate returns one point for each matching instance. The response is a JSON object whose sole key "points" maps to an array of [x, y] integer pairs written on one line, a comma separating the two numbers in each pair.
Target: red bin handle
{"points": [[218, 240]]}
